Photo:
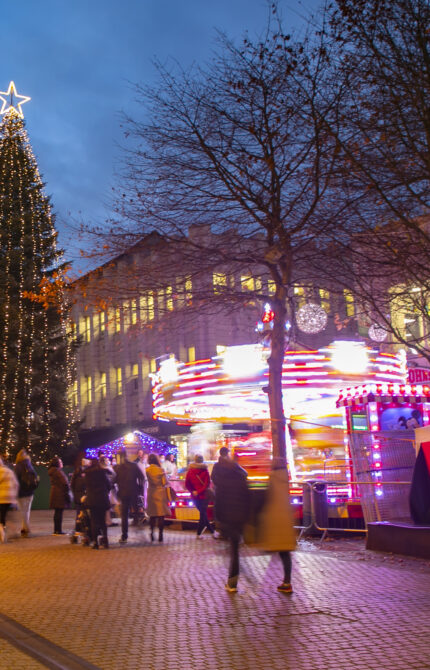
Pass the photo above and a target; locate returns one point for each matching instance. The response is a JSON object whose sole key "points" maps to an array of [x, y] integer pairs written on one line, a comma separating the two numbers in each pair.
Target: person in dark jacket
{"points": [[28, 482], [232, 502], [130, 483], [59, 497], [97, 500], [77, 484], [198, 481]]}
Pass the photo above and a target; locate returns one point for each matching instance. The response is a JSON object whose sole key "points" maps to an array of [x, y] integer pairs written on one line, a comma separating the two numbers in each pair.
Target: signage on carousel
{"points": [[418, 375]]}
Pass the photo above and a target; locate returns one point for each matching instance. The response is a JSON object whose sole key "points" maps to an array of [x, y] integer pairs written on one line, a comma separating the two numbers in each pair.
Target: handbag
{"points": [[171, 493], [209, 492]]}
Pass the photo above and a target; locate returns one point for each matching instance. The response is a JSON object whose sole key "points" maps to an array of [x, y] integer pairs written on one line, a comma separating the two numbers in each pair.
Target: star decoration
{"points": [[15, 101]]}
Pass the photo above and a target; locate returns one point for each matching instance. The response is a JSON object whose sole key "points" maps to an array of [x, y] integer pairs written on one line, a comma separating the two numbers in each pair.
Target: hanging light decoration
{"points": [[377, 333], [311, 318]]}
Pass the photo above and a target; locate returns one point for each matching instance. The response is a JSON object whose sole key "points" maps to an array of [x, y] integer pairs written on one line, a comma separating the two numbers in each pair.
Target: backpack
{"points": [[29, 480]]}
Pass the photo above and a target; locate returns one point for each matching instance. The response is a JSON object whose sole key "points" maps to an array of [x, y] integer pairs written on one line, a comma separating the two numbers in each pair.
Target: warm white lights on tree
{"points": [[311, 318]]}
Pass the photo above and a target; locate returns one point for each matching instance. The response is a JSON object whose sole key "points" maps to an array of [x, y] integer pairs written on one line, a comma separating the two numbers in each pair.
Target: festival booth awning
{"points": [[383, 393], [132, 442]]}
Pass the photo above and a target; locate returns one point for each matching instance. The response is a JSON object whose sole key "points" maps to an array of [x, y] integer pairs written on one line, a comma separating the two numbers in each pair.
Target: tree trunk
{"points": [[276, 360]]}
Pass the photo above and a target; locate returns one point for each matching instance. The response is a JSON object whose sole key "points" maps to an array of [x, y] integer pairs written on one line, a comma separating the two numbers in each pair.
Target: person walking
{"points": [[97, 500], [158, 507], [59, 496], [198, 481], [232, 502], [8, 495], [141, 461], [28, 482], [276, 529], [130, 483]]}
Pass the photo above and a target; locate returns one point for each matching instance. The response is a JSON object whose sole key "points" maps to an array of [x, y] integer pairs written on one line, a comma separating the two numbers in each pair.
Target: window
{"points": [[349, 303], [117, 320], [135, 375], [133, 310], [188, 290], [191, 353], [247, 283], [300, 295], [103, 385], [271, 287], [102, 322], [150, 306], [153, 365], [325, 299], [169, 298], [87, 329], [118, 374], [219, 281], [89, 389], [75, 394], [160, 300]]}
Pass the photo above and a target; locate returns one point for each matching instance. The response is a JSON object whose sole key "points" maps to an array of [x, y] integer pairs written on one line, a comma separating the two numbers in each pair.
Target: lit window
{"points": [[143, 307], [153, 365], [188, 290], [133, 308], [271, 287], [103, 385], [118, 381], [87, 329], [89, 388], [75, 394], [300, 295], [150, 302], [257, 283], [325, 299], [169, 298], [160, 300], [349, 303], [117, 320], [191, 354], [102, 321], [219, 282], [134, 369], [247, 283]]}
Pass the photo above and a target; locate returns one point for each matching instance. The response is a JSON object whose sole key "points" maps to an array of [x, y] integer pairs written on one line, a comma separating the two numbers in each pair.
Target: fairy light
{"points": [[31, 334]]}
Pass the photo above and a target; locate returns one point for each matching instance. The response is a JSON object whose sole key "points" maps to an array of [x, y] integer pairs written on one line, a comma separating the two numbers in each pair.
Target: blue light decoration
{"points": [[139, 440]]}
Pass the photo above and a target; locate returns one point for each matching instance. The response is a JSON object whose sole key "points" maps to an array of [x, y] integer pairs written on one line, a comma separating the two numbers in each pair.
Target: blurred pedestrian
{"points": [[28, 482], [130, 484], [141, 461], [198, 481], [276, 530], [158, 507], [97, 500], [169, 467], [8, 495], [232, 502], [60, 495], [106, 465], [78, 485]]}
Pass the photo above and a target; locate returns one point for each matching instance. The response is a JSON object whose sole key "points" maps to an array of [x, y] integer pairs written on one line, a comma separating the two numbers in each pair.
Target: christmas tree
{"points": [[35, 353]]}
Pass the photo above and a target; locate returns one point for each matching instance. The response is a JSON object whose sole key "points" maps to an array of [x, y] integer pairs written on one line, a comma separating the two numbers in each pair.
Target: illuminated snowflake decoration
{"points": [[311, 318], [377, 333]]}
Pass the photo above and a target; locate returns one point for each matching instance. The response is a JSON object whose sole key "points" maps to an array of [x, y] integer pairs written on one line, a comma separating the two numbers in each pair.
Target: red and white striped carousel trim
{"points": [[360, 395]]}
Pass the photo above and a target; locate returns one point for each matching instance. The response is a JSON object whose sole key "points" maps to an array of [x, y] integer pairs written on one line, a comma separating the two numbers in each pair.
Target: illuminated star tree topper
{"points": [[12, 101]]}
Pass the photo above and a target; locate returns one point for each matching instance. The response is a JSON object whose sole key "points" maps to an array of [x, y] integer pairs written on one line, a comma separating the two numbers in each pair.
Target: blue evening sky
{"points": [[76, 60]]}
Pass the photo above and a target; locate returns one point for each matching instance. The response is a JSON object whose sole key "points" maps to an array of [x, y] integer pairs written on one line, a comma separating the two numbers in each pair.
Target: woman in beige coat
{"points": [[276, 521], [157, 506]]}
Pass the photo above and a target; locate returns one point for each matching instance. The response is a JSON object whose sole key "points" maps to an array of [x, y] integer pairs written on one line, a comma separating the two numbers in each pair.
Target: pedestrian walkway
{"points": [[163, 606]]}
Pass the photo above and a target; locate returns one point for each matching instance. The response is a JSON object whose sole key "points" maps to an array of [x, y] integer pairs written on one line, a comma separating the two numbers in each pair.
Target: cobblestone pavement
{"points": [[163, 606]]}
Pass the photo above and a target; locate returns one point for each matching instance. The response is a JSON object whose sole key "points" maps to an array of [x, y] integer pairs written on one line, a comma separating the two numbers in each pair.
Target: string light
{"points": [[36, 366]]}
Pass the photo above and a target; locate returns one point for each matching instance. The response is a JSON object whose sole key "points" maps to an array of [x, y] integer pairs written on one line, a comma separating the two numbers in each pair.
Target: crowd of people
{"points": [[139, 489]]}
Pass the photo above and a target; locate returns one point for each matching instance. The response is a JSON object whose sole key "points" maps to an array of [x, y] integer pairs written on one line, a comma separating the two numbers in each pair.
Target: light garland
{"points": [[311, 318], [377, 333], [36, 353]]}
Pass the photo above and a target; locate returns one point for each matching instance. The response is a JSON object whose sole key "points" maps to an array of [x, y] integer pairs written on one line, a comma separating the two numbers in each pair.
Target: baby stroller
{"points": [[82, 528]]}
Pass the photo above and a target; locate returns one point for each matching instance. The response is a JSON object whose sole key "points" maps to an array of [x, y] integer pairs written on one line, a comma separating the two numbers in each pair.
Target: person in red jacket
{"points": [[198, 482]]}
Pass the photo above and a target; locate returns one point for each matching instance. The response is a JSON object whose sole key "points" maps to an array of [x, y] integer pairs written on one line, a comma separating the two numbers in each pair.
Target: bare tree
{"points": [[382, 132], [231, 164]]}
